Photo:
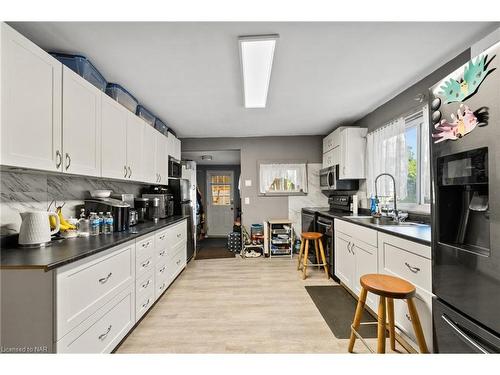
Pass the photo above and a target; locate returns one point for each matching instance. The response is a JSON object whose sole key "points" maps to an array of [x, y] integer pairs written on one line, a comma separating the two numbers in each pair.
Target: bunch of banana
{"points": [[64, 225]]}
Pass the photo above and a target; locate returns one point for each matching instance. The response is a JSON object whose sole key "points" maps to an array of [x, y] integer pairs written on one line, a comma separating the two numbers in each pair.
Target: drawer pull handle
{"points": [[408, 317], [105, 279], [145, 304], [146, 264], [145, 285], [178, 262], [145, 244], [162, 253], [411, 268], [162, 269], [105, 334], [179, 235], [162, 237], [162, 286]]}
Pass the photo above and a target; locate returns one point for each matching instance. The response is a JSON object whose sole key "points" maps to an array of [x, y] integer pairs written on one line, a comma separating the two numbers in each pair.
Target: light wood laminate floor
{"points": [[237, 306]]}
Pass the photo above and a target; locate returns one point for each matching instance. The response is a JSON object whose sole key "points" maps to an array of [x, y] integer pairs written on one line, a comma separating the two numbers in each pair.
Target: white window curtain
{"points": [[273, 176], [386, 153], [425, 158]]}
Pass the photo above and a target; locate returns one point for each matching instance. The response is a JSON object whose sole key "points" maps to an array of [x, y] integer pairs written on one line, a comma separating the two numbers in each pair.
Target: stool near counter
{"points": [[304, 252], [387, 288]]}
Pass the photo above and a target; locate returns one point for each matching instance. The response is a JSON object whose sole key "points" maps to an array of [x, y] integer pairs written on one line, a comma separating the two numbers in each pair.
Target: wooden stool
{"points": [[316, 237], [388, 288]]}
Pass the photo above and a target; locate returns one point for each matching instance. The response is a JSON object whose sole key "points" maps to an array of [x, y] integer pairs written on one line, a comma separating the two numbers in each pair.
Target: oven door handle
{"points": [[461, 334], [326, 225]]}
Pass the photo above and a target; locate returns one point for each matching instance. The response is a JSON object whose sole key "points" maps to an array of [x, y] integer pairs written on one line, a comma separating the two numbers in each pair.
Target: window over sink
{"points": [[401, 148]]}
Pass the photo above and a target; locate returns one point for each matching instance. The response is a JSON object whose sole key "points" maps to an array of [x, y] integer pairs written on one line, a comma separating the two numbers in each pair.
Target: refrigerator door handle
{"points": [[463, 336]]}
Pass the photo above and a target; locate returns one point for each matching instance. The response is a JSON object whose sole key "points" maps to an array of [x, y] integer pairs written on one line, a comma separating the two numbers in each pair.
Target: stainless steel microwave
{"points": [[174, 168], [329, 181]]}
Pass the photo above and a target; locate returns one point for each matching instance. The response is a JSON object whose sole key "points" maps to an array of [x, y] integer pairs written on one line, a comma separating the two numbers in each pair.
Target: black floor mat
{"points": [[337, 307], [213, 248]]}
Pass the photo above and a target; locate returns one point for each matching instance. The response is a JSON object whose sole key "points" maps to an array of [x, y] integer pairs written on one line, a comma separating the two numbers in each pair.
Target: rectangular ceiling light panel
{"points": [[257, 54]]}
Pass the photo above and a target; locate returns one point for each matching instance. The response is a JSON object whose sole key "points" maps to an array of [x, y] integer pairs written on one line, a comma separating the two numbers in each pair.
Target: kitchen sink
{"points": [[382, 221]]}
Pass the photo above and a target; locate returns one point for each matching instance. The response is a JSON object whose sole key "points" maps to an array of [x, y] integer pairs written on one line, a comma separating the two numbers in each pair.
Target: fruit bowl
{"points": [[100, 193]]}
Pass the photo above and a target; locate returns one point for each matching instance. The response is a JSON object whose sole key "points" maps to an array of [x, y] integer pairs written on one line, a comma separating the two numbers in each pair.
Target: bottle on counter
{"points": [[108, 223], [83, 224], [101, 222], [94, 224]]}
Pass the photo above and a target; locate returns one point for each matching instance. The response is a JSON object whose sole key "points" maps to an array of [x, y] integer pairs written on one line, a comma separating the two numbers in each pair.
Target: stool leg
{"points": [[357, 317], [390, 318], [415, 321], [381, 326], [316, 248], [304, 266], [323, 257], [300, 253]]}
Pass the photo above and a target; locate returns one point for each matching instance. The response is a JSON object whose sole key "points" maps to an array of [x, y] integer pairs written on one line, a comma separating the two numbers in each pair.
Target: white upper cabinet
{"points": [[352, 153], [149, 160], [162, 159], [135, 139], [81, 125], [31, 89], [114, 138], [174, 146], [346, 146]]}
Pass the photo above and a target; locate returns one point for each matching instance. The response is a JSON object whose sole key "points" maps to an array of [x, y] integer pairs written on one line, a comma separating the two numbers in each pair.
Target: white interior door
{"points": [[220, 202]]}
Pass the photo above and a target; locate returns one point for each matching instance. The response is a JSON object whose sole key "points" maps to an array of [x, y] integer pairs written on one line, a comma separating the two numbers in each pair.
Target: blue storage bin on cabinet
{"points": [[146, 115], [83, 67], [161, 126], [122, 96]]}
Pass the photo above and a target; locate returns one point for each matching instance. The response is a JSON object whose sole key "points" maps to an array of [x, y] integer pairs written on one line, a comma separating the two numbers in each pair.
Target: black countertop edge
{"points": [[398, 231], [67, 251]]}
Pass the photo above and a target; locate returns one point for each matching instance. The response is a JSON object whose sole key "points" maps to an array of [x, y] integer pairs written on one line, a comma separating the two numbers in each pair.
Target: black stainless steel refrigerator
{"points": [[180, 189], [465, 146]]}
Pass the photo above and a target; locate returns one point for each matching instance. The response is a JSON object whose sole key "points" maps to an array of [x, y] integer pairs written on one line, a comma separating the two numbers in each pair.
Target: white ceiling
{"points": [[324, 74], [218, 157]]}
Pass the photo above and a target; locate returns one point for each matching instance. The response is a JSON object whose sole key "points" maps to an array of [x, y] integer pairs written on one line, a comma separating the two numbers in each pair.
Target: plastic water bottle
{"points": [[101, 222], [94, 224], [108, 223]]}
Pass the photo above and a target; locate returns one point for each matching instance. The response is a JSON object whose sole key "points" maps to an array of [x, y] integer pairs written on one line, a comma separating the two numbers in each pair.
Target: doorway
{"points": [[220, 203]]}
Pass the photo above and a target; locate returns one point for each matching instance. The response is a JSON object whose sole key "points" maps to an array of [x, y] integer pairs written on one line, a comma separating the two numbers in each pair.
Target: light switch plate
{"points": [[248, 183], [247, 200]]}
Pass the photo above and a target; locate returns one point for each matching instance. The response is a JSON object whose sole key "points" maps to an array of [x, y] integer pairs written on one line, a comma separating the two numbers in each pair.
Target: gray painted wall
{"points": [[261, 148]]}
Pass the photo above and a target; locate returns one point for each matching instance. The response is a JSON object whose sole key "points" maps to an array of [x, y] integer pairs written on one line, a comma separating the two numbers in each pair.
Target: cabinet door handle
{"points": [[58, 159], [145, 244], [162, 237], [352, 249], [105, 334], [408, 317], [68, 161], [125, 168], [162, 253], [162, 269], [162, 286], [145, 285], [145, 264], [349, 247], [146, 303], [179, 235], [129, 172], [103, 280], [412, 268]]}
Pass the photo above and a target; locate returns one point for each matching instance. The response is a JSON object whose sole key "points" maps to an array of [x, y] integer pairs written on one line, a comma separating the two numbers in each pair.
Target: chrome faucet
{"points": [[396, 212]]}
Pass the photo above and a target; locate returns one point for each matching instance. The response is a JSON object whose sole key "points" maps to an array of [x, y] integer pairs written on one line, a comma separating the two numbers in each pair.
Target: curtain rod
{"points": [[414, 111]]}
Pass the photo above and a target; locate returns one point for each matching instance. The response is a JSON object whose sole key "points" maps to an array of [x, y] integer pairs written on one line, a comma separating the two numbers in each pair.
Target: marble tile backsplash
{"points": [[25, 191]]}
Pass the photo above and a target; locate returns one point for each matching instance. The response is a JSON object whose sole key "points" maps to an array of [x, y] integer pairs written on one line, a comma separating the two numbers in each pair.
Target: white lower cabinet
{"points": [[410, 261], [103, 330], [360, 250], [355, 256]]}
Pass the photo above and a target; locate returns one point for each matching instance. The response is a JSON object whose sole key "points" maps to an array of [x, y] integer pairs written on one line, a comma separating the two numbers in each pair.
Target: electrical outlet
{"points": [[248, 183], [247, 200]]}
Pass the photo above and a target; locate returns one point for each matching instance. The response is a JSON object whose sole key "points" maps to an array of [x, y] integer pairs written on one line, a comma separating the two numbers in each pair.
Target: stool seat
{"points": [[311, 235], [387, 286]]}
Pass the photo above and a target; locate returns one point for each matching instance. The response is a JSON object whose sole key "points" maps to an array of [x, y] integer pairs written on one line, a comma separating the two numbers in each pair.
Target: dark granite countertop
{"points": [[62, 252], [417, 233]]}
